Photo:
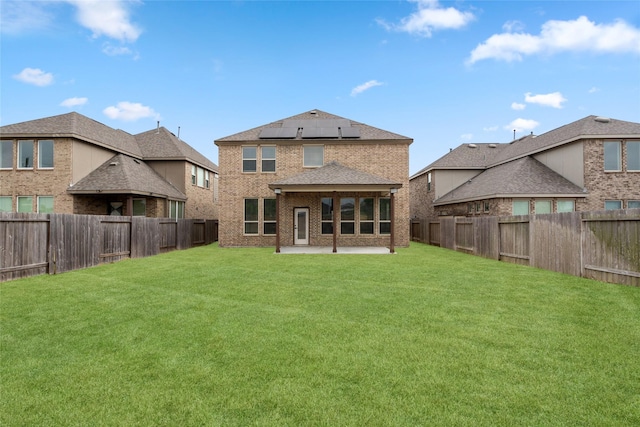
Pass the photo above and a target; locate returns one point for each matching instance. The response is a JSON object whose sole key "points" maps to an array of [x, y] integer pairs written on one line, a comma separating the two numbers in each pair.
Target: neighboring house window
{"points": [[612, 156], [176, 209], [385, 215], [193, 175], [470, 207], [206, 179], [45, 204], [200, 177], [327, 215], [115, 208], [249, 159], [631, 204], [5, 204], [478, 208], [520, 207], [347, 215], [139, 207], [25, 204], [313, 155], [366, 215], [487, 207], [6, 154], [269, 159], [612, 204], [633, 156], [25, 154], [565, 206], [543, 206], [45, 154], [269, 216], [250, 216], [429, 181]]}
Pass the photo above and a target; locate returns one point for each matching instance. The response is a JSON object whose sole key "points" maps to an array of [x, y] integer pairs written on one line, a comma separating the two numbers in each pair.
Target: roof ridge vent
{"points": [[492, 145], [601, 119], [472, 146]]}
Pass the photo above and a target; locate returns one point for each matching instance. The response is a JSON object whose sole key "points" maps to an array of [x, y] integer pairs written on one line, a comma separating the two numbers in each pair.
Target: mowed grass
{"points": [[213, 336]]}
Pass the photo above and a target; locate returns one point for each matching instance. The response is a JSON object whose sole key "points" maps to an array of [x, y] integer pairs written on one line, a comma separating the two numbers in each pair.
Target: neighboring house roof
{"points": [[525, 177], [588, 127], [126, 175], [466, 156], [161, 144], [314, 124], [334, 174], [75, 125]]}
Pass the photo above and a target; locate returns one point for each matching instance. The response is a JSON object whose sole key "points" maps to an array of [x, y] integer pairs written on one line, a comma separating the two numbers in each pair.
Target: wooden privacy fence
{"points": [[601, 245], [32, 244]]}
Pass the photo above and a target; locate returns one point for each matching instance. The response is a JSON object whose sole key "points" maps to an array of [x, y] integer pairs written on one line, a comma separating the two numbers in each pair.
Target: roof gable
{"points": [[161, 144], [465, 156]]}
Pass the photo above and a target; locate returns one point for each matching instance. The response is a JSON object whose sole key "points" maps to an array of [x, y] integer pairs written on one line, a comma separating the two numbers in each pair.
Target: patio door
{"points": [[301, 226]]}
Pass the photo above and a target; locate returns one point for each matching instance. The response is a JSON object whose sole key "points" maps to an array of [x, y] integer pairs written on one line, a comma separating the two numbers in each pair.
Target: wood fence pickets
{"points": [[32, 244], [602, 245]]}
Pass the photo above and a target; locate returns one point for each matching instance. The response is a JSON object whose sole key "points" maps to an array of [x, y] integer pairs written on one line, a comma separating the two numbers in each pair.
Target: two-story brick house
{"points": [[589, 164], [72, 164], [314, 179]]}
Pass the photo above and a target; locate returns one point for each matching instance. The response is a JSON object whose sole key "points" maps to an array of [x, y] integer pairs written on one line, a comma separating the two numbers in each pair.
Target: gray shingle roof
{"points": [[126, 175], [161, 144], [366, 132], [334, 173], [76, 126], [466, 156], [525, 177], [590, 126]]}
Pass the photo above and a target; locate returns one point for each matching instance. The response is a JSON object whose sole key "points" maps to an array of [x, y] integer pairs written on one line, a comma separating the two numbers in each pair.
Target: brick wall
{"points": [[200, 201], [389, 160]]}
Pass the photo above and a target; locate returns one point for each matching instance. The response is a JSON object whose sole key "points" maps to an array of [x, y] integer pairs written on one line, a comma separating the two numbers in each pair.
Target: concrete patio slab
{"points": [[329, 250]]}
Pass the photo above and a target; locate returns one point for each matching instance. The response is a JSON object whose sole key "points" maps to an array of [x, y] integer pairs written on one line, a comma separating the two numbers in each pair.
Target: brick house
{"points": [[314, 179], [589, 164], [72, 164]]}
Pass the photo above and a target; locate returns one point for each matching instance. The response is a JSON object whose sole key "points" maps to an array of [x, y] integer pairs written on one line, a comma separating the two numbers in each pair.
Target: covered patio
{"points": [[362, 250]]}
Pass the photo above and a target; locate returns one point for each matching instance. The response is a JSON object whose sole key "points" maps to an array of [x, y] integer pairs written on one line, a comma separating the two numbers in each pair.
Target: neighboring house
{"points": [[73, 164], [590, 164], [314, 179]]}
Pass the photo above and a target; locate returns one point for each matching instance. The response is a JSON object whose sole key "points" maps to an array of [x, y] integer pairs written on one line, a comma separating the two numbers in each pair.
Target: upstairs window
{"points": [[193, 175], [429, 181], [633, 156], [313, 156], [249, 159], [45, 154], [269, 159], [200, 177], [612, 156], [206, 179], [25, 154], [6, 154]]}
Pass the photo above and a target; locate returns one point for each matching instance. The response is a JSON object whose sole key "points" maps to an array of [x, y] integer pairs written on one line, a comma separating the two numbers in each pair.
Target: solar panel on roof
{"points": [[278, 133], [350, 132], [316, 123], [312, 132]]}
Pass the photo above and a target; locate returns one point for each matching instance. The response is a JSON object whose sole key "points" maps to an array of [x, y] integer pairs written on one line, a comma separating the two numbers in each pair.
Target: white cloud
{"points": [[18, 17], [490, 128], [594, 90], [560, 36], [520, 125], [129, 111], [466, 136], [365, 86], [72, 102], [554, 99], [517, 106], [511, 26], [34, 76], [108, 18], [112, 50], [430, 16]]}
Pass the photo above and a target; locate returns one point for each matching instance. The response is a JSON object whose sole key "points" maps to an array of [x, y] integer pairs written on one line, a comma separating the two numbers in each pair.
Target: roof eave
{"points": [[512, 196], [328, 188]]}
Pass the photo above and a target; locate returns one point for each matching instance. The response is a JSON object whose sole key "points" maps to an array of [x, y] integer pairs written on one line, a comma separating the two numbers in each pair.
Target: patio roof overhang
{"points": [[340, 188]]}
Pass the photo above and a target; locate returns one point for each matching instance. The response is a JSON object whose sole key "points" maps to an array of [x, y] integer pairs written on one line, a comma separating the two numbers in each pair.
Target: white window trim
{"points": [[267, 221], [32, 154], [38, 203], [255, 159], [604, 160], [262, 159], [627, 148], [40, 167], [23, 197], [10, 142], [244, 217]]}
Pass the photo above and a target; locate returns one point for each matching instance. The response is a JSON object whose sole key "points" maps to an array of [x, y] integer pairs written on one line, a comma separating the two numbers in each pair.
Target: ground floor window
{"points": [[251, 216], [269, 217], [543, 206], [327, 215], [25, 204], [612, 204], [347, 215], [139, 207], [520, 207], [385, 215], [5, 204], [631, 204], [565, 206], [176, 209], [366, 215], [45, 204]]}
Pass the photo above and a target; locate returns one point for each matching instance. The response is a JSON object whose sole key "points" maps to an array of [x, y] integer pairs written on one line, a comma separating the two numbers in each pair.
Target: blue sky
{"points": [[443, 73]]}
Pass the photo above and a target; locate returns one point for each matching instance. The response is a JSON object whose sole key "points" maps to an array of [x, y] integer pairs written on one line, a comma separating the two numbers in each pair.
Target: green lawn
{"points": [[213, 336]]}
